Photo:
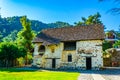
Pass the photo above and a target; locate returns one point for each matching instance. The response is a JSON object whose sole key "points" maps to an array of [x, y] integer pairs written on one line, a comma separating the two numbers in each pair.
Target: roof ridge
{"points": [[95, 25]]}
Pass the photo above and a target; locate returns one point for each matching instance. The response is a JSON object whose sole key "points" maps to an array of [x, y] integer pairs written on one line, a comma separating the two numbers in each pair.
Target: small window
{"points": [[69, 58], [69, 45], [41, 48], [53, 50]]}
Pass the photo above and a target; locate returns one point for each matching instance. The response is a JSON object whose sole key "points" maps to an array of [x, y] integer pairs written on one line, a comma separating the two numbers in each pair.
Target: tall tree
{"points": [[25, 36], [92, 19]]}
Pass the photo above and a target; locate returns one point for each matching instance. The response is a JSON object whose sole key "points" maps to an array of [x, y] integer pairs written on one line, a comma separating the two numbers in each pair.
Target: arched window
{"points": [[70, 58], [41, 48]]}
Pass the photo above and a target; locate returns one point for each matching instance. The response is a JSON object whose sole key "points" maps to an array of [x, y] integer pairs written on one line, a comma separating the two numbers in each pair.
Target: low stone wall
{"points": [[113, 60], [107, 62]]}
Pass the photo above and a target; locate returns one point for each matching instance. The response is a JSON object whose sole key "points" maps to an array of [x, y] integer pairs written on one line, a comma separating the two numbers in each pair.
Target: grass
{"points": [[17, 74]]}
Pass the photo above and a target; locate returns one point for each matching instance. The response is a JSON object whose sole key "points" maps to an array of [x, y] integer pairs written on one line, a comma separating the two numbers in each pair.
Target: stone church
{"points": [[77, 47]]}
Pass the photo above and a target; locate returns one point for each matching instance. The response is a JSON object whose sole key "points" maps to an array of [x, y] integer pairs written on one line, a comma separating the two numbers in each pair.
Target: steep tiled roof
{"points": [[55, 35]]}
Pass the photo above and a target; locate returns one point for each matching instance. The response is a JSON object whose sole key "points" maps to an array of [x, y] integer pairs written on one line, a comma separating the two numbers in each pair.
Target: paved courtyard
{"points": [[109, 74]]}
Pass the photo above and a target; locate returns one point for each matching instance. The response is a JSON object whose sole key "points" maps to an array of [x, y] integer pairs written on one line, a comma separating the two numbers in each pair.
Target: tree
{"points": [[92, 19], [25, 36], [59, 24], [1, 36], [115, 10], [117, 44], [9, 52], [106, 45]]}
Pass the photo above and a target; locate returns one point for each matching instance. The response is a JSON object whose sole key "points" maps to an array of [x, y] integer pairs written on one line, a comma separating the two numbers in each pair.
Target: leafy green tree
{"points": [[9, 52], [25, 36], [106, 45], [92, 19], [117, 44], [1, 36], [59, 24]]}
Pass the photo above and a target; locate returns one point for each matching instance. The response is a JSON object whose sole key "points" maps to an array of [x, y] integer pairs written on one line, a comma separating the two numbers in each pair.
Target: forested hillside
{"points": [[12, 24]]}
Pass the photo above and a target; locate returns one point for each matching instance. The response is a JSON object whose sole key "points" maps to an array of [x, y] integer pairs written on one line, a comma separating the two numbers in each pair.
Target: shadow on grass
{"points": [[63, 70], [17, 70], [32, 69], [102, 72]]}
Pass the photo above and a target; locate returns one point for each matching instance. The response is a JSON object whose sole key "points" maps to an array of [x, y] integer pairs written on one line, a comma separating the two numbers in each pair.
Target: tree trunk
{"points": [[26, 58], [6, 63]]}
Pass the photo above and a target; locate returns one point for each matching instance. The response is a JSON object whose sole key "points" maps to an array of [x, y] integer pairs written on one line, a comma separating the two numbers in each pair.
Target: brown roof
{"points": [[55, 35]]}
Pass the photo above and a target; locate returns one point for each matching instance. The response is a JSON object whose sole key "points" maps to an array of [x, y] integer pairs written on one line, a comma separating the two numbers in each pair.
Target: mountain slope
{"points": [[9, 24]]}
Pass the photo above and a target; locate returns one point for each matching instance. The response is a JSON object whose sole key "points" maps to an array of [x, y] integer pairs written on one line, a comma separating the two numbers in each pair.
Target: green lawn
{"points": [[15, 74]]}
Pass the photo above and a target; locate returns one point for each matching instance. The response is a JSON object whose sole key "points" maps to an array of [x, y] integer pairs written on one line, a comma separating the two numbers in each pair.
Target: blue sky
{"points": [[70, 11]]}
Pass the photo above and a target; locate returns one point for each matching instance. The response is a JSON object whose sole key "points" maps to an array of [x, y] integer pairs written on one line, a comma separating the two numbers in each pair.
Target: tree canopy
{"points": [[106, 45], [9, 51], [92, 19], [25, 36]]}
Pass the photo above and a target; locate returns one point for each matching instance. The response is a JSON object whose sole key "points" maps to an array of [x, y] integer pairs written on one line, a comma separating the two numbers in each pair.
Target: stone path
{"points": [[97, 77], [113, 74], [90, 76], [85, 77]]}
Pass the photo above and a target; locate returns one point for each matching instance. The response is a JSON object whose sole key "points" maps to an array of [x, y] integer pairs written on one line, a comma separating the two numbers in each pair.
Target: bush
{"points": [[9, 52]]}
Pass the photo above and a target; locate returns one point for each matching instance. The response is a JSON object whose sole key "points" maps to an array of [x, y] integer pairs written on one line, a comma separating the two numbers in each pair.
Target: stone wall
{"points": [[88, 48], [93, 49], [45, 61], [114, 59], [64, 59]]}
